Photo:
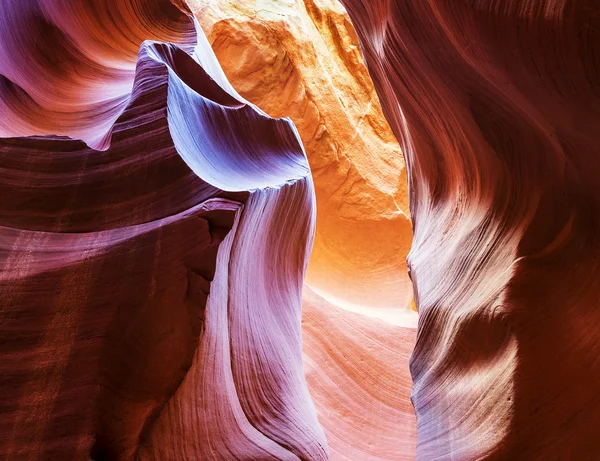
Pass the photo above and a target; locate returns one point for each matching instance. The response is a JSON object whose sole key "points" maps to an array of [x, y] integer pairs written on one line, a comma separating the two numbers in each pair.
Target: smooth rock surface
{"points": [[357, 373]]}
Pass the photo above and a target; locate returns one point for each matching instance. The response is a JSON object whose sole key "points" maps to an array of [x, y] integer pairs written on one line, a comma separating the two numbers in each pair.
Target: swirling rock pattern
{"points": [[80, 62], [150, 276], [496, 105]]}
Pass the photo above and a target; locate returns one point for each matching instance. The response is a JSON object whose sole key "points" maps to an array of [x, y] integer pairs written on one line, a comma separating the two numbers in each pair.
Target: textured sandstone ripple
{"points": [[496, 104]]}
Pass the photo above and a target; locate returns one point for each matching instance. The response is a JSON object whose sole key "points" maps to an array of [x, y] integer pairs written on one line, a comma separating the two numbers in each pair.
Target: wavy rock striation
{"points": [[81, 58], [150, 279], [496, 104]]}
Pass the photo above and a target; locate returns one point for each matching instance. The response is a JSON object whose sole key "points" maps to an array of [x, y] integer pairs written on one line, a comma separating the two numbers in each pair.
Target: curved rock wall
{"points": [[150, 279], [80, 61], [496, 105]]}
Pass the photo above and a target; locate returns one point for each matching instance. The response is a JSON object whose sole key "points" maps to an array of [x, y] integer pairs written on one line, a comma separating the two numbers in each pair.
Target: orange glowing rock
{"points": [[301, 60]]}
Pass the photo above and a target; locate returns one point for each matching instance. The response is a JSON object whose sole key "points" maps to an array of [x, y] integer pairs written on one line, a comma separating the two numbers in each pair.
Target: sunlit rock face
{"points": [[496, 104], [151, 274], [300, 59]]}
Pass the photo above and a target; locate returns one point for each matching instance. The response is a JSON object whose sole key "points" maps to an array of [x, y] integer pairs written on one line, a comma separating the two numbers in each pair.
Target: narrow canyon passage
{"points": [[209, 211], [157, 216], [301, 59]]}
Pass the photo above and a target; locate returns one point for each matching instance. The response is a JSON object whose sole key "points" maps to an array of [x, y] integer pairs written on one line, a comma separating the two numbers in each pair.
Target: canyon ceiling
{"points": [[219, 219]]}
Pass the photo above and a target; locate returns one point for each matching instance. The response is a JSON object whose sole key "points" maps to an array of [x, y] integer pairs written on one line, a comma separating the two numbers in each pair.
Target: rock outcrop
{"points": [[300, 59], [496, 105], [151, 276]]}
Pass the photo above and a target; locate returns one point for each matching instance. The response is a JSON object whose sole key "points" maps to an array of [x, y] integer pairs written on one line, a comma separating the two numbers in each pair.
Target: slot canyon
{"points": [[344, 230]]}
